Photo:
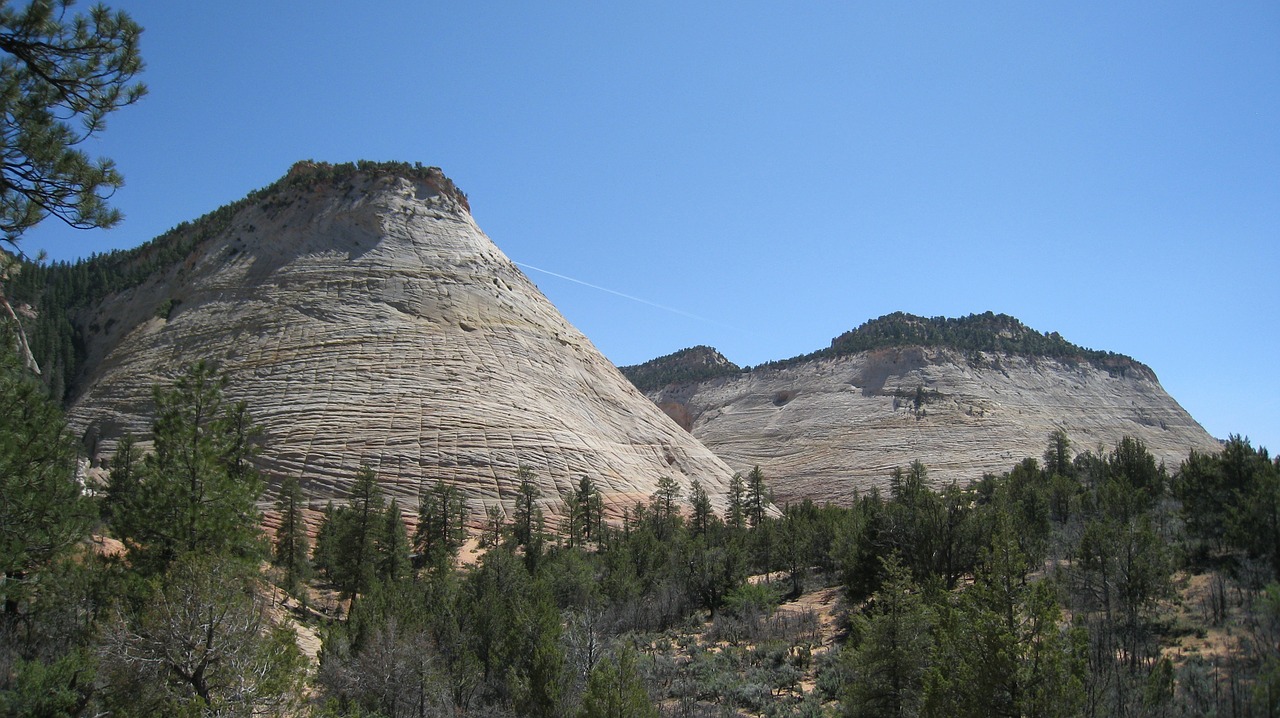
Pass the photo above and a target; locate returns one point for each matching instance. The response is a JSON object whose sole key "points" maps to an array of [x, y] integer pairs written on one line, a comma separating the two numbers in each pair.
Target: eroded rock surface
{"points": [[369, 320], [827, 427]]}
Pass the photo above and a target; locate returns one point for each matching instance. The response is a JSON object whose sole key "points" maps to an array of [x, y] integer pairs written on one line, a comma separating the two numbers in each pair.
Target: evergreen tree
{"points": [[735, 517], [60, 78], [442, 524], [757, 502], [526, 516], [700, 504], [890, 664], [1005, 650], [585, 513], [391, 547], [494, 526], [616, 689], [1057, 456], [197, 491], [324, 557], [662, 506], [917, 522], [291, 547], [356, 528], [43, 513], [123, 479], [865, 547]]}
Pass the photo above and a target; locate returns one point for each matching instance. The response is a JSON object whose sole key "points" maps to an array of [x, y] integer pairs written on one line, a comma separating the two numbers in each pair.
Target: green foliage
{"points": [[202, 643], [61, 688], [527, 516], [750, 599], [702, 518], [889, 665], [686, 366], [864, 546], [442, 524], [43, 513], [1232, 499], [1003, 646], [736, 515], [663, 507], [364, 542], [973, 334], [516, 634], [391, 547], [1057, 455], [616, 690], [196, 492], [291, 547], [59, 79], [758, 499]]}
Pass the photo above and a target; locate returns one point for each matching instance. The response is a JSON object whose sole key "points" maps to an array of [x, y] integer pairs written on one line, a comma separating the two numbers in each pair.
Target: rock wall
{"points": [[827, 428], [371, 321]]}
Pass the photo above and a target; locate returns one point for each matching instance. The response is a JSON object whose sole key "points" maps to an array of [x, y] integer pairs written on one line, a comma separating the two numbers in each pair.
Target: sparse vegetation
{"points": [[56, 290], [974, 335], [685, 366], [1094, 585]]}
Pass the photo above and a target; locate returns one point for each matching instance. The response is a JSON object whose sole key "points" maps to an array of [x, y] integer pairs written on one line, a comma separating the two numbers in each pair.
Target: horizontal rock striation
{"points": [[367, 319], [829, 426]]}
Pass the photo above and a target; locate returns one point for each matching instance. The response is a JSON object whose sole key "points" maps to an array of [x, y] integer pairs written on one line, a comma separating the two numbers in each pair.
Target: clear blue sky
{"points": [[1110, 171]]}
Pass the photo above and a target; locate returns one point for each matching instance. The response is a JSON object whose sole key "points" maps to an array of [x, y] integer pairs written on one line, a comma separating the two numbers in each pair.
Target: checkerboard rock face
{"points": [[371, 321], [826, 428]]}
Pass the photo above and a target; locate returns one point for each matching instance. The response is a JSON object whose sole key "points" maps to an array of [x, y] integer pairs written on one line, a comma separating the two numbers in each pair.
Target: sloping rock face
{"points": [[828, 427], [369, 320]]}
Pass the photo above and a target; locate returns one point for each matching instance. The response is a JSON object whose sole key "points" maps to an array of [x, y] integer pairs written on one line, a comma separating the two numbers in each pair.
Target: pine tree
{"points": [[1057, 455], [356, 526], [123, 478], [324, 556], [662, 507], [60, 78], [616, 689], [585, 513], [701, 507], [198, 492], [292, 548], [391, 547], [757, 497], [442, 528], [526, 515], [736, 515], [890, 665], [43, 513]]}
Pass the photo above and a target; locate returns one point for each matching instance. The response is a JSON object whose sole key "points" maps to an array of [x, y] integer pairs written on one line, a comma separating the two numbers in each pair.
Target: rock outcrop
{"points": [[365, 318], [827, 425]]}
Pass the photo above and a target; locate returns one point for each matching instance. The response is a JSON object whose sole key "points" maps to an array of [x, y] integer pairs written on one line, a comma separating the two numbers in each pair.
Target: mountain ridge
{"points": [[986, 332], [365, 318], [966, 396]]}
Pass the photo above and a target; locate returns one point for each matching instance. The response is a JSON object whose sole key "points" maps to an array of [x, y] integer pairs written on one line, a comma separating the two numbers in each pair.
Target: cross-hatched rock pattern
{"points": [[826, 428], [369, 320]]}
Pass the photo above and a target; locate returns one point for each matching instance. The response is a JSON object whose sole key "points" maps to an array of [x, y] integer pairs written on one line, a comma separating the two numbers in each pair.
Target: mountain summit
{"points": [[365, 318], [966, 396]]}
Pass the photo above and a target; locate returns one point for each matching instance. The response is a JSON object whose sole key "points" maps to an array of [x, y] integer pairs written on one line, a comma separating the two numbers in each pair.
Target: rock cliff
{"points": [[838, 421], [365, 318]]}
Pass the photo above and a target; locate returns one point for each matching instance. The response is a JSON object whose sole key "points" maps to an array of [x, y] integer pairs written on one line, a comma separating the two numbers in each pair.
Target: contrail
{"points": [[616, 293]]}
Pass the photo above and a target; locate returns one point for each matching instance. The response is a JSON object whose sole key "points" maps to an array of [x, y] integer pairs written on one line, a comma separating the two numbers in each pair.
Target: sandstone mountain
{"points": [[365, 318], [965, 396]]}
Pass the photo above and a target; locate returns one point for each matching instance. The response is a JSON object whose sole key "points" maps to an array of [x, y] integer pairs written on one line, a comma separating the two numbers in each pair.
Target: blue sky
{"points": [[1110, 171]]}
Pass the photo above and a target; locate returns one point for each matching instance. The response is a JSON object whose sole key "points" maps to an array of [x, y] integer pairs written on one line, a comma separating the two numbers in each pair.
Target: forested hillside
{"points": [[1075, 583]]}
